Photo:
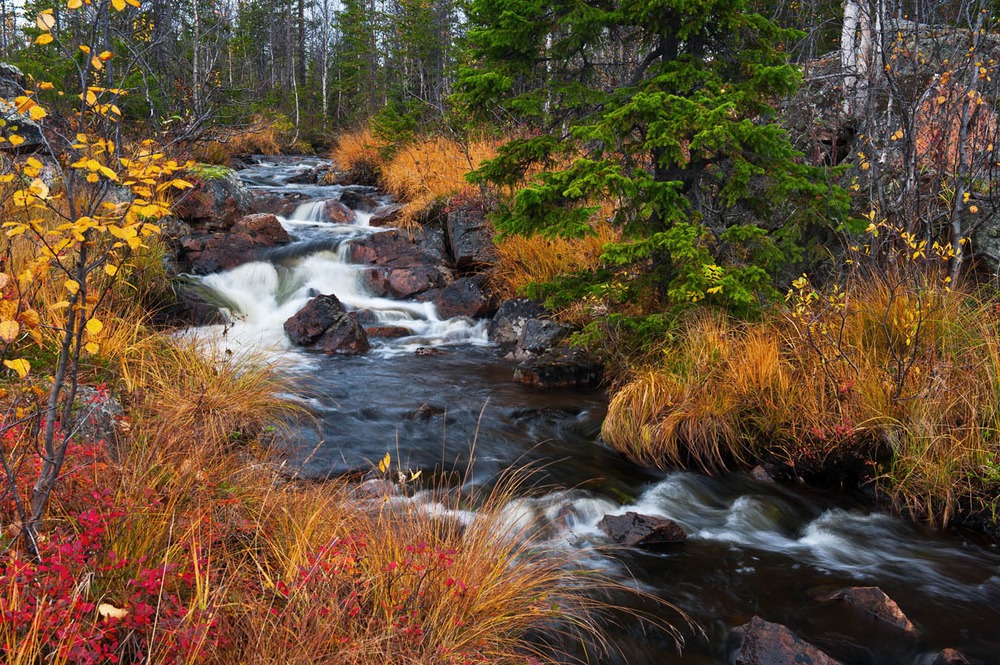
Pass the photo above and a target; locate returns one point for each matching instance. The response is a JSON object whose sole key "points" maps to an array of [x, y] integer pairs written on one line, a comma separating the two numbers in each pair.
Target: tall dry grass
{"points": [[260, 136], [897, 379]]}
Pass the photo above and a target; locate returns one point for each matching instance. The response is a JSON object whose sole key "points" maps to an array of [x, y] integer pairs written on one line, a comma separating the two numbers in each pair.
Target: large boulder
{"points": [[463, 297], [11, 86], [470, 238], [205, 253], [216, 202], [359, 201], [404, 263], [540, 336], [874, 603], [508, 323], [766, 643], [644, 531], [324, 325], [559, 368]]}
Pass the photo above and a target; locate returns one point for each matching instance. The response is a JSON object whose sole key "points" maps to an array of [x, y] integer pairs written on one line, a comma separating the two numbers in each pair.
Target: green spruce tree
{"points": [[664, 108]]}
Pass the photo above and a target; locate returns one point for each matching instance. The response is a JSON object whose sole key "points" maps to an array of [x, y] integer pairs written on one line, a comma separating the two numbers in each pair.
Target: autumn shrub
{"points": [[893, 378], [259, 136], [360, 153]]}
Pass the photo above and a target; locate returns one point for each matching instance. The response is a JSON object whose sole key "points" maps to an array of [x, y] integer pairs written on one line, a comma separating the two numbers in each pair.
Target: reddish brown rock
{"points": [[336, 212], [765, 643], [874, 603], [215, 204], [644, 531], [324, 325], [463, 297], [205, 253], [950, 657], [387, 331]]}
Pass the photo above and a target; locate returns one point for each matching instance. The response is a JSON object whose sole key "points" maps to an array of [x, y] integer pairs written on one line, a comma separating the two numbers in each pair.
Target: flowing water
{"points": [[753, 548]]}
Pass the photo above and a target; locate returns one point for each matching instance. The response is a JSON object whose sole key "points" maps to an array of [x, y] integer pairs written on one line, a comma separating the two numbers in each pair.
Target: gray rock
{"points": [[540, 335], [356, 200], [463, 297], [470, 238], [559, 368], [643, 531], [765, 643], [508, 323], [97, 415]]}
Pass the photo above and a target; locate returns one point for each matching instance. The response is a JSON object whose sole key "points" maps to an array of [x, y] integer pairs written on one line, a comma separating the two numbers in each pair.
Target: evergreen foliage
{"points": [[664, 108]]}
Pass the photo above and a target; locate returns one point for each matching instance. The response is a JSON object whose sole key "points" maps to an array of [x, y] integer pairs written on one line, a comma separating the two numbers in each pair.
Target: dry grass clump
{"points": [[260, 136], [900, 376], [431, 169], [360, 153], [536, 259]]}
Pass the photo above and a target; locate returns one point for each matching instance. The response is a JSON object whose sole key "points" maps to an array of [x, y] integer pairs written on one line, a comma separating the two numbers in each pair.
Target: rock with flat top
{"points": [[643, 531], [766, 643]]}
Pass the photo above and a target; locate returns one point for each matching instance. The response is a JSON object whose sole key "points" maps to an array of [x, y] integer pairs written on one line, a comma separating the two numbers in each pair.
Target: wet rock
{"points": [[173, 228], [765, 643], [508, 323], [950, 657], [425, 412], [644, 531], [215, 204], [278, 203], [875, 603], [404, 282], [356, 200], [398, 249], [336, 212], [323, 324], [387, 331], [428, 351], [205, 253], [760, 474], [470, 238], [559, 368], [540, 335], [191, 308], [463, 297], [387, 215], [305, 177]]}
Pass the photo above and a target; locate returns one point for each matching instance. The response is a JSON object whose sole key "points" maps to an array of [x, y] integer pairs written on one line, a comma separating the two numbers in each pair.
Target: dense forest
{"points": [[767, 233]]}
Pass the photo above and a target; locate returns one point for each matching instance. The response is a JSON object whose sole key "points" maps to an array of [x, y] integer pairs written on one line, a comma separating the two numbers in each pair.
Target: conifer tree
{"points": [[664, 108]]}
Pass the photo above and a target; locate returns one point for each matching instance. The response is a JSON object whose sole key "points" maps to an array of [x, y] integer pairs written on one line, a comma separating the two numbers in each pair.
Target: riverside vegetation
{"points": [[663, 211]]}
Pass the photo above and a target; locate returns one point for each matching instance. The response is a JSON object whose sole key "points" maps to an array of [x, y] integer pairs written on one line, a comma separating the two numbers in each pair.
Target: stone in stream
{"points": [[463, 297], [216, 203], [278, 203], [643, 531], [387, 331], [508, 323], [356, 200], [875, 603], [766, 643], [323, 324], [559, 368], [205, 253], [386, 215], [950, 657], [539, 336]]}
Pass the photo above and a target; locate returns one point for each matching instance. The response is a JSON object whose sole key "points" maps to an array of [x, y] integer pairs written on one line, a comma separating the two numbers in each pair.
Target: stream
{"points": [[753, 549]]}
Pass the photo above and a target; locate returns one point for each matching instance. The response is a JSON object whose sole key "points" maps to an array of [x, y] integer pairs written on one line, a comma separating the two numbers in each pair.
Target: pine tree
{"points": [[664, 108]]}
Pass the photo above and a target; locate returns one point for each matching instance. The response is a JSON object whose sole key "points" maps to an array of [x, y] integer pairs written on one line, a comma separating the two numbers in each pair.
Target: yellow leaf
{"points": [[383, 466], [96, 63], [30, 318], [118, 4], [44, 38], [94, 326], [105, 56], [942, 99], [19, 365], [36, 112], [74, 4], [92, 347], [9, 330], [713, 290], [91, 97], [45, 20], [39, 188], [72, 286], [110, 269], [15, 140], [85, 48], [973, 209], [109, 611]]}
